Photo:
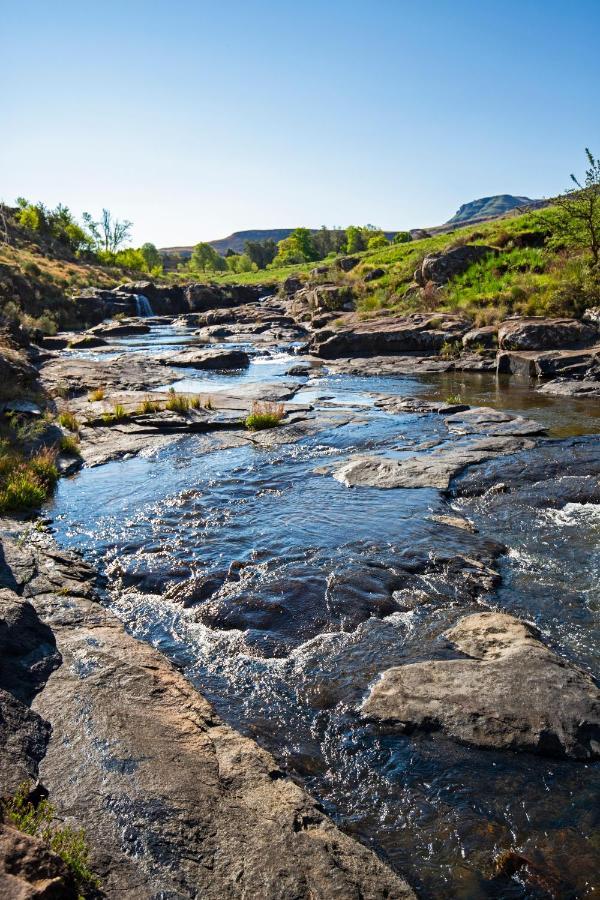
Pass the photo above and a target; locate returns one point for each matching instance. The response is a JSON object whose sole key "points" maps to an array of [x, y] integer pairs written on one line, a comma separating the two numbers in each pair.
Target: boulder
{"points": [[394, 334], [544, 334], [87, 342], [441, 267], [208, 359], [592, 317], [511, 692], [548, 363], [486, 338], [120, 329], [347, 263], [374, 274]]}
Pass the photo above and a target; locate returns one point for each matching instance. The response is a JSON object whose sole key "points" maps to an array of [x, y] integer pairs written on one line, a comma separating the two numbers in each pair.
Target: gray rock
{"points": [[436, 469], [566, 387], [486, 337], [374, 274], [544, 334], [208, 359], [390, 335], [511, 693], [441, 267]]}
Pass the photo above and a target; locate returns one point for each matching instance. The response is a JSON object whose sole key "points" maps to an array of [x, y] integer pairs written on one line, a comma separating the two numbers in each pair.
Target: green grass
{"points": [[148, 406], [25, 483], [69, 421], [119, 414], [178, 403], [264, 415], [68, 444], [68, 843]]}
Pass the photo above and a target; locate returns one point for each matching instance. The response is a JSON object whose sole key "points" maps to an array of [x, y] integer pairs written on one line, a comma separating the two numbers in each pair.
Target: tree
{"points": [[152, 257], [377, 241], [581, 210], [297, 248], [206, 259], [108, 233], [261, 252], [240, 263], [402, 237], [355, 241]]}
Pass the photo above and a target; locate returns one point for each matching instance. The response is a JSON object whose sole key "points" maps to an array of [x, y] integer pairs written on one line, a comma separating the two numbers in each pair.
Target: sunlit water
{"points": [[293, 654]]}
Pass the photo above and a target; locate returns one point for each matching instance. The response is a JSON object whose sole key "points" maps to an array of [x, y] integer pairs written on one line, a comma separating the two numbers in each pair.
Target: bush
{"points": [[66, 842], [451, 349], [97, 394], [264, 415]]}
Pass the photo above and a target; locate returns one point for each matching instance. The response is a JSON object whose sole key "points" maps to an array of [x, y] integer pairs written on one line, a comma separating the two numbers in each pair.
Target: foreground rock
{"points": [[435, 470], [512, 692], [174, 802], [29, 870]]}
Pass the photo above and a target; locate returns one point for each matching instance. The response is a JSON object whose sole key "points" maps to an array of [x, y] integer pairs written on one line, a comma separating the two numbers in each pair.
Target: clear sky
{"points": [[196, 119]]}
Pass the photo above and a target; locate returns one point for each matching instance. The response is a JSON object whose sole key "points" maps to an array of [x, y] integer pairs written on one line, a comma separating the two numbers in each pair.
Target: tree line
{"points": [[98, 239], [301, 246]]}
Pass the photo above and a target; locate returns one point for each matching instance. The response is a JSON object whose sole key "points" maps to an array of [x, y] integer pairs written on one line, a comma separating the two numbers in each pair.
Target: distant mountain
{"points": [[237, 240], [490, 208], [234, 241]]}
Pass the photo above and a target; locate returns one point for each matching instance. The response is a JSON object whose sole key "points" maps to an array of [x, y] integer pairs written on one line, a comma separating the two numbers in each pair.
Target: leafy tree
{"points": [[151, 256], [109, 233], [329, 241], [262, 253], [297, 248], [240, 262], [355, 240], [402, 237], [206, 259], [377, 241], [581, 210], [29, 217]]}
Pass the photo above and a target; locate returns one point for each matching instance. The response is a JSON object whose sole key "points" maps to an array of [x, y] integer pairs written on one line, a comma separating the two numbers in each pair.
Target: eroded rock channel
{"points": [[394, 593]]}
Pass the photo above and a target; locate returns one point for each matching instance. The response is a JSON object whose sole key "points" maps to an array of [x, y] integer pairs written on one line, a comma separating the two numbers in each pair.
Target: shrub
{"points": [[264, 415], [68, 843], [97, 394], [453, 399], [69, 420]]}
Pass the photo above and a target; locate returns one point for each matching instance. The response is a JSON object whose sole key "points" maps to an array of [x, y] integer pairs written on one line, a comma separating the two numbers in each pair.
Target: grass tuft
{"points": [[25, 483], [264, 415], [97, 394], [69, 420]]}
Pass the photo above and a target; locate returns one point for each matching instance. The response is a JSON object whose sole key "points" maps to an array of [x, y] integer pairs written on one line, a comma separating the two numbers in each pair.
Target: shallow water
{"points": [[303, 627]]}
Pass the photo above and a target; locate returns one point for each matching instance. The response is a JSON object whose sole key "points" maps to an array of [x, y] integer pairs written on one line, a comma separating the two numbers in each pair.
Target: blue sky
{"points": [[196, 119]]}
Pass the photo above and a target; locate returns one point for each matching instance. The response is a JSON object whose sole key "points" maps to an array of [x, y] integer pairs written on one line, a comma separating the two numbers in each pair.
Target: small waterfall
{"points": [[142, 306]]}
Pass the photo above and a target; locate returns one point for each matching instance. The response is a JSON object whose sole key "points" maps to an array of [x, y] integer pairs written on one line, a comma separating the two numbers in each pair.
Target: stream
{"points": [[304, 623]]}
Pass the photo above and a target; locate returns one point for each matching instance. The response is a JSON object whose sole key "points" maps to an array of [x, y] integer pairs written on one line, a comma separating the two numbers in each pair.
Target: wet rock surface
{"points": [[512, 692], [208, 359], [164, 789]]}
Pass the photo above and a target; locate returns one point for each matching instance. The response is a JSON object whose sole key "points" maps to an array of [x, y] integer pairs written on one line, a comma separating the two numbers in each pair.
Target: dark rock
{"points": [[441, 267], [374, 274], [544, 334], [486, 337], [24, 736], [393, 334], [28, 651], [208, 359], [548, 363], [567, 387], [87, 342], [347, 263], [511, 693]]}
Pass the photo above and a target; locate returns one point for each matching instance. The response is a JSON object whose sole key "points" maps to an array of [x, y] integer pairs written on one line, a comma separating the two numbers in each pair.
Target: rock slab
{"points": [[511, 692]]}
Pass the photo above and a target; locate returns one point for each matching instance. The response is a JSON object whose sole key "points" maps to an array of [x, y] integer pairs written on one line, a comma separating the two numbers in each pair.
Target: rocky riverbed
{"points": [[382, 613]]}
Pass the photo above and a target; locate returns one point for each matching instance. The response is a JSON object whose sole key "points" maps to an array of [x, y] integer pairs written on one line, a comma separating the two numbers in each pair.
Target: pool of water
{"points": [[303, 569]]}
